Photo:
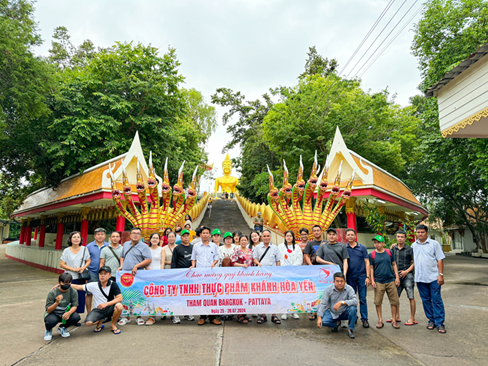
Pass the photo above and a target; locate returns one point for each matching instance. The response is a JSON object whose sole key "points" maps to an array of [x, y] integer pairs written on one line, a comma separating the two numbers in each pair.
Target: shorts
{"points": [[408, 284], [93, 278], [391, 291], [99, 314]]}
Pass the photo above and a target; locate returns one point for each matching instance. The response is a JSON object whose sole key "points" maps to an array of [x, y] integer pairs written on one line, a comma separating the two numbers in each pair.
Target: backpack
{"points": [[226, 262], [373, 253]]}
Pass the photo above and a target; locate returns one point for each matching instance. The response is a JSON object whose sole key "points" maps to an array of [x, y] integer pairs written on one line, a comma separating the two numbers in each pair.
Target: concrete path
{"points": [[295, 342]]}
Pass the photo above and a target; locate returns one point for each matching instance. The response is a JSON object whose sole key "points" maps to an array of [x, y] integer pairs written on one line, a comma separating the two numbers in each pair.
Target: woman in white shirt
{"points": [[74, 260], [291, 256], [157, 262], [168, 249], [227, 249]]}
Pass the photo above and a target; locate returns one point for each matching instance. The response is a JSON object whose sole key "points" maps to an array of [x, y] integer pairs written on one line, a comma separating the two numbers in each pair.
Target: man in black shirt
{"points": [[182, 253], [403, 255]]}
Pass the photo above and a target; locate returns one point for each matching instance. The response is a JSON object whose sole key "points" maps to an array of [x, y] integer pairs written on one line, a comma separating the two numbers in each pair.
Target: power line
{"points": [[371, 45], [391, 41]]}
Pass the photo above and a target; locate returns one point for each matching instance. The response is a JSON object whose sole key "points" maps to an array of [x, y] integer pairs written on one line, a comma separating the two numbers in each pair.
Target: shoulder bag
{"points": [[85, 275], [266, 251], [115, 255]]}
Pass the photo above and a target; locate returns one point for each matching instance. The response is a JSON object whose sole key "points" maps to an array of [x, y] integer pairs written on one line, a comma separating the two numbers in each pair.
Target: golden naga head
{"points": [[140, 186], [313, 175], [192, 190], [227, 165], [348, 190], [115, 190], [273, 191], [286, 187], [337, 181], [165, 186], [178, 187], [323, 181], [151, 180], [126, 189], [300, 184]]}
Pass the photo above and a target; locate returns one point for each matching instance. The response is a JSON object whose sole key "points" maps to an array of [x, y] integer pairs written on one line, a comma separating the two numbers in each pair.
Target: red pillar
{"points": [[120, 225], [35, 232], [42, 236], [84, 231], [28, 235], [351, 221], [22, 232], [59, 236]]}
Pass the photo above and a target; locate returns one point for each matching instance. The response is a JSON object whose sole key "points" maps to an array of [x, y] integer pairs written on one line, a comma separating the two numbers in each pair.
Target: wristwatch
{"points": [[442, 274], [343, 303]]}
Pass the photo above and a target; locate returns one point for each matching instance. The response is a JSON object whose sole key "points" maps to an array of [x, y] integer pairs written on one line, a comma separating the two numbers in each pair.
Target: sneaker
{"points": [[295, 316], [190, 318], [176, 320], [284, 317], [64, 333], [343, 324], [365, 324], [351, 334], [48, 335], [163, 317]]}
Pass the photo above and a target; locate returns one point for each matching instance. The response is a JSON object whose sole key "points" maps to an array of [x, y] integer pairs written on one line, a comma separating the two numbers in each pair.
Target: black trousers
{"points": [[52, 319]]}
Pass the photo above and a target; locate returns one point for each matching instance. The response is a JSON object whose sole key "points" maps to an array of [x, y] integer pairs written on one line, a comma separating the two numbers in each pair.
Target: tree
{"points": [[318, 65], [372, 125], [451, 176], [25, 83]]}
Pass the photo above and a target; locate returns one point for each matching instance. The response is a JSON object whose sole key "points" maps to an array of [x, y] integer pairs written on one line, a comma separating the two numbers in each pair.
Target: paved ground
{"points": [[295, 342]]}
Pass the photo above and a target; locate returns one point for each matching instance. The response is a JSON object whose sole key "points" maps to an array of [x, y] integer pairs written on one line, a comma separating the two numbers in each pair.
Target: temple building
{"points": [[81, 202], [371, 184]]}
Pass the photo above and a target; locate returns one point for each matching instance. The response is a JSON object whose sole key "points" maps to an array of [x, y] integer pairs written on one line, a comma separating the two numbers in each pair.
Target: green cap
{"points": [[228, 234], [216, 232], [184, 232], [379, 238]]}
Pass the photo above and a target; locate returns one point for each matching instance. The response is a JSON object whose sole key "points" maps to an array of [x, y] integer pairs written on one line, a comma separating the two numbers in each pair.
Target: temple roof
{"points": [[93, 180], [371, 176]]}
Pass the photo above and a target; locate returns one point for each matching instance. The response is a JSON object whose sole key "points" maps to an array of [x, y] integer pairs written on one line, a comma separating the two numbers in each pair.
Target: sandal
{"points": [[412, 323], [123, 321], [395, 325], [441, 329], [99, 329], [242, 319], [275, 319], [390, 320], [249, 320], [262, 319], [150, 321], [116, 331], [430, 326], [380, 325], [312, 317], [140, 321]]}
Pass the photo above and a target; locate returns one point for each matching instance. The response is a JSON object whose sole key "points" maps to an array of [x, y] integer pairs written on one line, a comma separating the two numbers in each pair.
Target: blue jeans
{"points": [[430, 293], [350, 314], [258, 228], [360, 288]]}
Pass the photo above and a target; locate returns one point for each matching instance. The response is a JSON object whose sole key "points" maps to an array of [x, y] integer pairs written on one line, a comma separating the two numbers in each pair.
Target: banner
{"points": [[225, 290]]}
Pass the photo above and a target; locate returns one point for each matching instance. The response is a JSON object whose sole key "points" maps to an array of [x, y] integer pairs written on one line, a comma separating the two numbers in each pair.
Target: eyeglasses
{"points": [[138, 234]]}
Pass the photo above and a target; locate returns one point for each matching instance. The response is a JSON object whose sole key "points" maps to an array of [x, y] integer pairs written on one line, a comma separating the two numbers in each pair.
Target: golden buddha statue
{"points": [[226, 183]]}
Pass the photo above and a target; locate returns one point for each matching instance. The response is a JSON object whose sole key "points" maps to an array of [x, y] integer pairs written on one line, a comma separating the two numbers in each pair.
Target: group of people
{"points": [[386, 270]]}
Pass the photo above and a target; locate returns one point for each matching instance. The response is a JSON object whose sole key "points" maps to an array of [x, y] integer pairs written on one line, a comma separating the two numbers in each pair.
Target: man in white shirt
{"points": [[205, 254], [267, 254]]}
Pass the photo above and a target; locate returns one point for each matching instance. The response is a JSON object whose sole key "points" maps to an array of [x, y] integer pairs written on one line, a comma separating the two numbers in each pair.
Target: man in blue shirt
{"points": [[358, 272], [429, 268], [384, 278], [94, 248]]}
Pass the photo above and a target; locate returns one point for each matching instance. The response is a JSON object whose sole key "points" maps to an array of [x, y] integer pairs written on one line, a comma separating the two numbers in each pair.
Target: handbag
{"points": [[226, 262], [85, 275]]}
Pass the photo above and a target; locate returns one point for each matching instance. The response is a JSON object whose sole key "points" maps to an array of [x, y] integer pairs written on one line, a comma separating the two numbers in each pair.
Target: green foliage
{"points": [[377, 221], [318, 65], [451, 176], [447, 33]]}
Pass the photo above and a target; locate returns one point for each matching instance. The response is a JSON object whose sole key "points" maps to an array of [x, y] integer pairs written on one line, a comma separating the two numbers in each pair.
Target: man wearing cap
{"points": [[205, 254], [384, 278], [258, 222], [333, 252], [216, 237], [107, 301], [94, 248], [226, 250]]}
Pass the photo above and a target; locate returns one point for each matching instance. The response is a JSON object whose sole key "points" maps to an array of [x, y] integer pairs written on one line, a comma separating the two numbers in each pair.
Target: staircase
{"points": [[225, 216]]}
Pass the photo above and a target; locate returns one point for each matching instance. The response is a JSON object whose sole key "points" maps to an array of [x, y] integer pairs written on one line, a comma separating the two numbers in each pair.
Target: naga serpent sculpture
{"points": [[296, 216], [154, 217]]}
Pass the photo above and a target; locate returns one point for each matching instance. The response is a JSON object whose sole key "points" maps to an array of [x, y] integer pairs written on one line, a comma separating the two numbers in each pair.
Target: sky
{"points": [[247, 46]]}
